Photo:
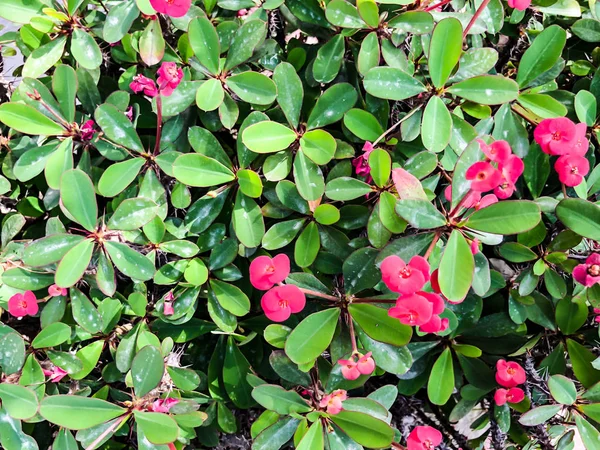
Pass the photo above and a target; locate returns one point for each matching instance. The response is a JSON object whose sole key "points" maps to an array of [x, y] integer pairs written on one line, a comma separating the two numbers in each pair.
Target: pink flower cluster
{"points": [[413, 307], [588, 273], [173, 8], [563, 138], [473, 199], [361, 163], [55, 374], [423, 438], [87, 130], [353, 368], [520, 5], [333, 402], [169, 77], [163, 405], [499, 172], [281, 301], [509, 374]]}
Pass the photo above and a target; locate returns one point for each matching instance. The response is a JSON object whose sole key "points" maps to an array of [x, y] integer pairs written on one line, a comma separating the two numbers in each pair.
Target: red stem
{"points": [[460, 204], [352, 334], [564, 190], [319, 294], [437, 5], [158, 124], [432, 245], [475, 17]]}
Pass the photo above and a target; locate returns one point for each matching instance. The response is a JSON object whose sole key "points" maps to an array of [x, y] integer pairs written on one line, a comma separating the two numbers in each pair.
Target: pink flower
{"points": [[511, 169], [498, 151], [580, 142], [435, 325], [87, 130], [129, 113], [168, 309], [144, 84], [475, 246], [55, 374], [484, 177], [509, 374], [471, 198], [405, 278], [173, 8], [361, 163], [416, 309], [520, 5], [513, 395], [163, 405], [55, 291], [366, 364], [281, 301], [571, 169], [333, 402], [588, 273], [169, 77], [349, 368], [266, 272], [487, 200], [21, 305], [423, 438], [435, 282], [555, 136]]}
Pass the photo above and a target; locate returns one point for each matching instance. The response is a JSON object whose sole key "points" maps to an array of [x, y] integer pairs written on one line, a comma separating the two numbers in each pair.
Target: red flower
{"points": [[87, 130], [520, 5], [471, 198], [266, 272], [55, 291], [168, 308], [435, 325], [423, 438], [580, 143], [511, 169], [498, 151], [484, 177], [349, 369], [417, 309], [571, 169], [405, 278], [361, 163], [21, 305], [435, 282], [509, 374], [487, 200], [169, 77], [144, 84], [588, 273], [333, 401], [281, 301], [173, 8], [513, 395], [475, 246], [163, 405], [366, 364], [55, 374], [555, 136]]}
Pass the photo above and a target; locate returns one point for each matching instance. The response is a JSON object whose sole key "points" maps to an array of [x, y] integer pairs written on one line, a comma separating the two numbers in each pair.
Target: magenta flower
{"points": [[509, 374], [55, 374], [173, 8], [281, 301], [266, 272], [483, 176], [169, 77], [588, 273], [512, 395], [21, 305], [144, 84], [571, 169], [423, 438], [555, 136], [405, 278]]}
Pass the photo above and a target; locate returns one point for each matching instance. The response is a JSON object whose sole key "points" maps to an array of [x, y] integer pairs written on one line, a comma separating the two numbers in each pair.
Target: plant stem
{"points": [[158, 124], [432, 245], [437, 5], [454, 211], [319, 294], [393, 127], [373, 300], [352, 334], [564, 190], [475, 17]]}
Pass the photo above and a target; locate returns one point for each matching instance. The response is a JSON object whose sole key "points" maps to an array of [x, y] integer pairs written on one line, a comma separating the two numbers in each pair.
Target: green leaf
{"points": [[420, 214], [74, 264], [586, 107], [380, 163], [85, 50], [486, 89], [157, 427], [343, 14], [53, 335], [275, 398], [543, 105], [58, 409], [313, 439], [309, 178], [332, 105], [318, 145], [119, 20], [329, 59], [268, 137], [235, 369], [379, 325], [369, 54], [363, 124], [290, 92], [20, 11], [246, 39], [441, 380], [20, 402], [391, 84], [364, 429], [44, 57], [282, 233], [581, 361], [117, 127], [580, 216], [571, 314], [129, 262], [194, 169], [231, 298], [541, 55], [346, 188], [456, 268], [132, 214], [78, 198], [359, 270], [26, 119], [562, 389], [276, 435], [589, 434], [147, 370], [250, 183], [205, 43], [85, 313], [152, 43], [253, 87], [248, 221], [307, 246], [210, 95], [506, 217], [444, 50], [312, 336], [539, 415], [436, 127]]}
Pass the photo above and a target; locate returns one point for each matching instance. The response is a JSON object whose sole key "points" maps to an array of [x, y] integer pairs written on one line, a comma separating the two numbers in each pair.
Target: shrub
{"points": [[314, 223]]}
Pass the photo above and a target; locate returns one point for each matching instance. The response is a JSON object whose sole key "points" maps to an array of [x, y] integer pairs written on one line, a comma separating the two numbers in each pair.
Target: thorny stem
{"points": [[475, 17], [319, 294], [393, 127], [158, 123], [437, 5], [432, 245], [352, 334], [62, 121], [454, 211]]}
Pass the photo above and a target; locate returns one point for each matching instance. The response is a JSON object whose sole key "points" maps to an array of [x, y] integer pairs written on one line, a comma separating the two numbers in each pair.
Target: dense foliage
{"points": [[312, 224]]}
